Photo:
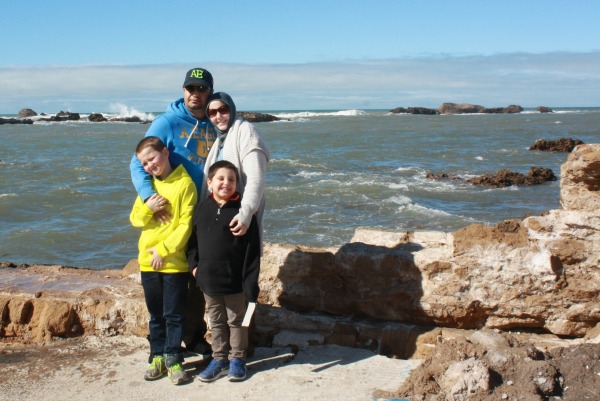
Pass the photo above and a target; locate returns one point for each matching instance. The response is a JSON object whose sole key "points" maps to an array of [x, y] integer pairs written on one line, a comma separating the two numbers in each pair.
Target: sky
{"points": [[103, 56]]}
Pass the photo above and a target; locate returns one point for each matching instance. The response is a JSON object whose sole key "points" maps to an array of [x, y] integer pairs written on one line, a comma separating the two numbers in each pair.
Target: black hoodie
{"points": [[226, 264]]}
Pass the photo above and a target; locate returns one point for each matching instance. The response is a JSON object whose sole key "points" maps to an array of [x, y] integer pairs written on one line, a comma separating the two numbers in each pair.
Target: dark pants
{"points": [[166, 295], [195, 326]]}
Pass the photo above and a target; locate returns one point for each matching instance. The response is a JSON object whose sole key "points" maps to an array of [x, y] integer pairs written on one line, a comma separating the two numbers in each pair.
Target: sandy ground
{"points": [[112, 368]]}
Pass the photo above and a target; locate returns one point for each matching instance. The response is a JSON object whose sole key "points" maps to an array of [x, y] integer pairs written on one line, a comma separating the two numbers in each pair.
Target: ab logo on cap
{"points": [[197, 74]]}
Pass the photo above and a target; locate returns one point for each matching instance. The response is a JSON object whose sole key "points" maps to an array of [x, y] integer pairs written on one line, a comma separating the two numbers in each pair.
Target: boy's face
{"points": [[153, 161], [223, 184]]}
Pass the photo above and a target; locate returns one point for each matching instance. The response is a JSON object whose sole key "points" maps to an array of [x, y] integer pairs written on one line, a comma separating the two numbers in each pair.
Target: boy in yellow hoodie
{"points": [[162, 259]]}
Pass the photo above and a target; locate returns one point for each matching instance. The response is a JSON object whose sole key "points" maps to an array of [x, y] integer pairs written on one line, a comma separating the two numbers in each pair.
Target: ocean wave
{"points": [[307, 114], [306, 174], [123, 111]]}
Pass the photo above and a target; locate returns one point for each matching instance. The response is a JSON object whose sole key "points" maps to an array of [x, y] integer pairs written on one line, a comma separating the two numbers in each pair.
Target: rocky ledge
{"points": [[466, 108]]}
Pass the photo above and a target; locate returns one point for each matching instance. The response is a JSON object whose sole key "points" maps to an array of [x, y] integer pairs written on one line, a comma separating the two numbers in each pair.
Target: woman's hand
{"points": [[238, 228]]}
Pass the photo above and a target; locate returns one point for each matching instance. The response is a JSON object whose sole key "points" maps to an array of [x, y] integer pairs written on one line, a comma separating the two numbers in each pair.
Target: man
{"points": [[188, 134]]}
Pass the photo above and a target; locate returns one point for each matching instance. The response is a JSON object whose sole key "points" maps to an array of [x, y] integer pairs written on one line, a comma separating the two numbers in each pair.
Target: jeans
{"points": [[225, 316], [166, 295]]}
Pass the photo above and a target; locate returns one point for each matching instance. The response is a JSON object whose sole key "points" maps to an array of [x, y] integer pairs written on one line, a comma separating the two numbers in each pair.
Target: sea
{"points": [[66, 191]]}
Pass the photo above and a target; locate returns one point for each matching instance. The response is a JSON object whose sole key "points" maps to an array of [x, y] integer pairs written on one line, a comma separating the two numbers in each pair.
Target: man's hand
{"points": [[157, 260], [158, 204]]}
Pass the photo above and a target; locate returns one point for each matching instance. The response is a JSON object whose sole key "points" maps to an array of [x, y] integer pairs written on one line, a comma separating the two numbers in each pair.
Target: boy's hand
{"points": [[157, 260], [194, 271], [238, 228], [163, 216]]}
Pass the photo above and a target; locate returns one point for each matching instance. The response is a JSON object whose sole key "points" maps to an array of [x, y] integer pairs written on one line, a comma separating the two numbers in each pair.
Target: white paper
{"points": [[249, 313]]}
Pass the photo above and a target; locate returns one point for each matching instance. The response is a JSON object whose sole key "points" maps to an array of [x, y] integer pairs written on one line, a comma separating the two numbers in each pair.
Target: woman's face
{"points": [[218, 112]]}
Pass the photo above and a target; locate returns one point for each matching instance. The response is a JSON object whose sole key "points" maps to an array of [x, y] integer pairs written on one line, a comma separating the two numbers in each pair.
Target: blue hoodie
{"points": [[174, 128]]}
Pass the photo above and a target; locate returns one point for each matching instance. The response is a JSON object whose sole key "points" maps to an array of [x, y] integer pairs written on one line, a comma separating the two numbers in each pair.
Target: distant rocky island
{"points": [[24, 117], [466, 108]]}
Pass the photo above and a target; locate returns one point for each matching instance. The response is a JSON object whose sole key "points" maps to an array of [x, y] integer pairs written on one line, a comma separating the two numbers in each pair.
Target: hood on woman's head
{"points": [[225, 98]]}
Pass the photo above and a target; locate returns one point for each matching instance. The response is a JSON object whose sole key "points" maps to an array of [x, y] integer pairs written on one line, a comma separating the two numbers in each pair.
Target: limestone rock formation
{"points": [[541, 273]]}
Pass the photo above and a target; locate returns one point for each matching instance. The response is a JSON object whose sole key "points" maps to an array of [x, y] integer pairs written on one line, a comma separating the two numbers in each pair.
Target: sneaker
{"points": [[177, 374], [237, 370], [156, 369], [215, 370]]}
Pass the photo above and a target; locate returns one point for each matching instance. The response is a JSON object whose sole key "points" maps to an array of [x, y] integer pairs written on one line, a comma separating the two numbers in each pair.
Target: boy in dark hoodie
{"points": [[226, 268]]}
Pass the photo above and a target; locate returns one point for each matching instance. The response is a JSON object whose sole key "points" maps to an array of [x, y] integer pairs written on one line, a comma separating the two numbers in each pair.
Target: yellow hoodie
{"points": [[169, 239]]}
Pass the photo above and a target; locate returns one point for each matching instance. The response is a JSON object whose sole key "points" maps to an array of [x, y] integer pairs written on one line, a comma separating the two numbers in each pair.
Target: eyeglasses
{"points": [[222, 110], [197, 88]]}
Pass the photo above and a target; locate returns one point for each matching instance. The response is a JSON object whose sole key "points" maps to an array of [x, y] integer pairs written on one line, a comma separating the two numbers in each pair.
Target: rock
{"points": [[422, 110], [24, 113], [558, 145], [441, 176], [15, 121], [465, 379], [463, 368], [505, 178], [544, 109], [502, 178], [415, 110], [257, 117], [580, 182], [132, 119], [97, 117], [63, 116], [513, 108], [463, 108]]}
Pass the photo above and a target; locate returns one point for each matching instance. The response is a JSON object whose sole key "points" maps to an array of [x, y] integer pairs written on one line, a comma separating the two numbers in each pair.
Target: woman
{"points": [[239, 143]]}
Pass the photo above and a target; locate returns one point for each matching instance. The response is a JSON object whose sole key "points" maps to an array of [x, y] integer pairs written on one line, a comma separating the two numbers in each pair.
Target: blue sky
{"points": [[88, 56]]}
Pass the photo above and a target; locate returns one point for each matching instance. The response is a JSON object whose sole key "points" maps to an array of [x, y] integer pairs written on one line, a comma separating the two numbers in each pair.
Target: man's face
{"points": [[195, 98]]}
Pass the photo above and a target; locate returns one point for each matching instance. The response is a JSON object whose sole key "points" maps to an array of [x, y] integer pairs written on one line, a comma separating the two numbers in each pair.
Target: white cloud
{"points": [[552, 79]]}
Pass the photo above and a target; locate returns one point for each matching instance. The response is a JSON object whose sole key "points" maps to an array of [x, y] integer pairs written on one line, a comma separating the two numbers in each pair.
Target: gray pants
{"points": [[225, 316]]}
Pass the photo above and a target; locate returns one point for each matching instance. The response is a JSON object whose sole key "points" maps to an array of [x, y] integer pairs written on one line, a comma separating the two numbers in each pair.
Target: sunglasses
{"points": [[197, 88], [221, 110]]}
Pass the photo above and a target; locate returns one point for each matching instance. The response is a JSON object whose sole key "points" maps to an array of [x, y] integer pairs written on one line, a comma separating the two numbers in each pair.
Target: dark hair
{"points": [[150, 142], [212, 170]]}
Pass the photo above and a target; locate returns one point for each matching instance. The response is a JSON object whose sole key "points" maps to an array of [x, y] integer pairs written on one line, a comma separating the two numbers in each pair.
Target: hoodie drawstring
{"points": [[192, 133]]}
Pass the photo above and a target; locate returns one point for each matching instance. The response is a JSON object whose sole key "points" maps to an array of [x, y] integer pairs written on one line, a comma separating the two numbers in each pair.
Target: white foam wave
{"points": [[122, 110], [307, 114], [306, 174], [400, 200], [293, 163], [398, 186]]}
